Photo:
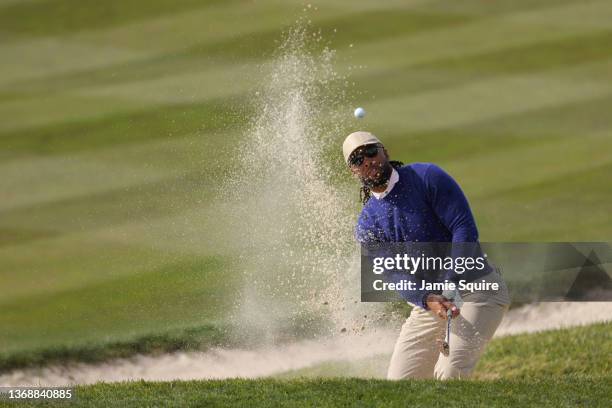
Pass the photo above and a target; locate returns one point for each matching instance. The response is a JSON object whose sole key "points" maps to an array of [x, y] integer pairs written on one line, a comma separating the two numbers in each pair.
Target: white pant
{"points": [[417, 350]]}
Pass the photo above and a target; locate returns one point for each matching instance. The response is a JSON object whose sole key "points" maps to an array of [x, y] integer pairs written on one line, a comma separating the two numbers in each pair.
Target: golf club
{"points": [[446, 343]]}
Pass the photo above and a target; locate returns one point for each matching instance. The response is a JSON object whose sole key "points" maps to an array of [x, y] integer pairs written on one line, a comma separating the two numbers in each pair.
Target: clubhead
{"points": [[445, 349]]}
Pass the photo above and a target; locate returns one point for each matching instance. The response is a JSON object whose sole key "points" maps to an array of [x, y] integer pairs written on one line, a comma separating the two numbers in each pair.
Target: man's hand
{"points": [[439, 305]]}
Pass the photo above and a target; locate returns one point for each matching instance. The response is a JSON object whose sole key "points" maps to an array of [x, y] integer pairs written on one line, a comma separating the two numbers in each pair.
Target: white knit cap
{"points": [[355, 140]]}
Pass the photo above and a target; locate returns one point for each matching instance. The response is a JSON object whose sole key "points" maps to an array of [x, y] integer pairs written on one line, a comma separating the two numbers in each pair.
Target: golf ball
{"points": [[359, 113]]}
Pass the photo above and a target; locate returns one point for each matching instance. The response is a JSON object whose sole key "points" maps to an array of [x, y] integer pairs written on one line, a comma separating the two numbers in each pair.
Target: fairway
{"points": [[119, 124]]}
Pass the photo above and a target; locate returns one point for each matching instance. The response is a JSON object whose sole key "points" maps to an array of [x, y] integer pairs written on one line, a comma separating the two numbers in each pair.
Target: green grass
{"points": [[192, 339], [548, 392], [580, 352], [567, 367], [114, 311], [118, 119], [146, 125], [62, 17]]}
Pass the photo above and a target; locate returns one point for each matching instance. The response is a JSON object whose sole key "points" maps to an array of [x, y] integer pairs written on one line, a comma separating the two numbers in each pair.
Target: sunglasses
{"points": [[356, 158]]}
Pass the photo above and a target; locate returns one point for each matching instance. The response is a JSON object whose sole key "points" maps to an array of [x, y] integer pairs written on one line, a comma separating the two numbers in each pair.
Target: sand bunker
{"points": [[267, 361]]}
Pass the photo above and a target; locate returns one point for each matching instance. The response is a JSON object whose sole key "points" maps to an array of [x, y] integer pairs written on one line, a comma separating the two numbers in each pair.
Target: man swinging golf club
{"points": [[420, 202]]}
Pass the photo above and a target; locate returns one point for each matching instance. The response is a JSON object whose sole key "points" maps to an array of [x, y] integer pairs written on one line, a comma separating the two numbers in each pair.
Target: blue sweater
{"points": [[425, 205]]}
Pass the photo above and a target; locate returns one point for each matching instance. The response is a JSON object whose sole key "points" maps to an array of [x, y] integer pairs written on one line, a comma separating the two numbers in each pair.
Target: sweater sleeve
{"points": [[416, 296], [452, 208], [450, 205]]}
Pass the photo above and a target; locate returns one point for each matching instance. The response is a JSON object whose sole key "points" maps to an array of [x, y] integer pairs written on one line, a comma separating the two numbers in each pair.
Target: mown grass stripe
{"points": [[556, 188], [187, 112], [482, 35], [550, 124], [28, 60], [490, 26], [245, 47], [479, 101], [536, 162], [395, 87], [576, 50], [365, 27], [60, 17], [145, 124], [486, 8], [565, 207], [568, 111], [38, 58], [83, 259], [139, 202], [173, 294]]}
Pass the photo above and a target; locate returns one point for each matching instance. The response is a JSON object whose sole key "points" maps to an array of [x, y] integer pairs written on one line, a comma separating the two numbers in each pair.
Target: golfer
{"points": [[420, 202]]}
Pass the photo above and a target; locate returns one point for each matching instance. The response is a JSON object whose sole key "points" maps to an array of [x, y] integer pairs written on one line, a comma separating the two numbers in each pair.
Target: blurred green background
{"points": [[117, 117]]}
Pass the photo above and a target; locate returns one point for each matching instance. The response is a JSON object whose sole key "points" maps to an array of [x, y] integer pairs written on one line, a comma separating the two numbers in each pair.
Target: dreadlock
{"points": [[364, 192]]}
